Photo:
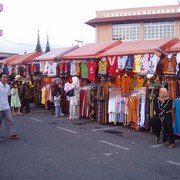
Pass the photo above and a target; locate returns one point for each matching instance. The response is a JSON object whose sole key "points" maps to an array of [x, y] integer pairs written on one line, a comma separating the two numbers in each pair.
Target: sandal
{"points": [[15, 136], [171, 146]]}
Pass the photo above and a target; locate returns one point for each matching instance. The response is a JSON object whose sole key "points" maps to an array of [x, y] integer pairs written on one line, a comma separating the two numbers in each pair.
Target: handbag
{"points": [[70, 93]]}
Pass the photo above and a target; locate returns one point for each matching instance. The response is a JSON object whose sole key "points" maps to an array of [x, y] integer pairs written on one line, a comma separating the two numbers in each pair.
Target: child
{"points": [[57, 105], [15, 101]]}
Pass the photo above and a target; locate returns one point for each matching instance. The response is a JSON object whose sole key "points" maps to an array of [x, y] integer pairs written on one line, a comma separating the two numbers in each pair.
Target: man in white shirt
{"points": [[5, 111]]}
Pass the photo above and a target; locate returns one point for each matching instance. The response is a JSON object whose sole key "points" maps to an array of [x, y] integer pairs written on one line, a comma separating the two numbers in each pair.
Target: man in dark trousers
{"points": [[5, 111], [163, 117]]}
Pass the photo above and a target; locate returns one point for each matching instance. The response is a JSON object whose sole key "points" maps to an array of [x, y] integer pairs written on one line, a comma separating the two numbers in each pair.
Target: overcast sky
{"points": [[64, 21]]}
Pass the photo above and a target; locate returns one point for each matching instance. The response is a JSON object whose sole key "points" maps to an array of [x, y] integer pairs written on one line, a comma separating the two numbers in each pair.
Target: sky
{"points": [[63, 21]]}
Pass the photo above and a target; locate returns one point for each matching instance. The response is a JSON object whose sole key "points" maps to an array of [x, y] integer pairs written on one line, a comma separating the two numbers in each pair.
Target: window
{"points": [[157, 30], [126, 32]]}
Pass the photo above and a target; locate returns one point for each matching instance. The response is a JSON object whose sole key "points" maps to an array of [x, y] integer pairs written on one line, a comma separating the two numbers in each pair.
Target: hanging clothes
{"points": [[84, 70], [152, 65], [52, 69], [126, 84], [178, 62], [102, 67], [169, 66], [129, 63], [177, 117], [73, 68], [142, 107], [112, 65], [106, 87], [133, 104], [122, 62], [144, 64], [91, 70], [137, 64]]}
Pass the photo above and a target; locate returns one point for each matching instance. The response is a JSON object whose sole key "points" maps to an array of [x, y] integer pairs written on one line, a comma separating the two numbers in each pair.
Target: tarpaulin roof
{"points": [[91, 50], [141, 47], [9, 59], [25, 58], [55, 54], [175, 48]]}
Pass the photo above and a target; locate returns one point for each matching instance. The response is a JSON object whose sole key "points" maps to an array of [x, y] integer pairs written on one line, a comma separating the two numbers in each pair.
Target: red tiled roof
{"points": [[135, 18], [141, 47], [176, 47], [92, 50], [9, 59], [25, 58]]}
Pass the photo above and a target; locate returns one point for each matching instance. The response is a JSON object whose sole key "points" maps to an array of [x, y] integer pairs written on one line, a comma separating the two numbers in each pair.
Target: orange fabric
{"points": [[126, 84], [46, 97], [169, 66], [78, 69], [117, 81], [133, 104]]}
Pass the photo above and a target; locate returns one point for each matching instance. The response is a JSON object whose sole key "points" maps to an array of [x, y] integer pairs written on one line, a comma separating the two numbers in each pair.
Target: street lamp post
{"points": [[79, 42]]}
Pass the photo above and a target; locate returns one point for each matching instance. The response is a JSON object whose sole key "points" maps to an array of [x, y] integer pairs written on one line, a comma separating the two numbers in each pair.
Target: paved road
{"points": [[62, 149]]}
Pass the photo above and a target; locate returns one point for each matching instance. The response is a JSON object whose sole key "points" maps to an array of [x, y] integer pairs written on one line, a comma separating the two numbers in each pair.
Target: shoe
{"points": [[171, 146], [62, 115]]}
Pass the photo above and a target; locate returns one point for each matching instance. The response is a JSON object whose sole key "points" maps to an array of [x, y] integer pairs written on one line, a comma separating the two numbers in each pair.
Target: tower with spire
{"points": [[38, 46], [47, 45]]}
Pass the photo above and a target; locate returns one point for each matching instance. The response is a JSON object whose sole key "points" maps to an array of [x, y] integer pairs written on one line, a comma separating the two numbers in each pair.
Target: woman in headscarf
{"points": [[163, 117]]}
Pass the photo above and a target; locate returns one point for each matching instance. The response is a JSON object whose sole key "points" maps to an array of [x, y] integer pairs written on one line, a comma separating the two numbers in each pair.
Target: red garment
{"points": [[82, 97], [61, 67], [112, 65], [91, 70]]}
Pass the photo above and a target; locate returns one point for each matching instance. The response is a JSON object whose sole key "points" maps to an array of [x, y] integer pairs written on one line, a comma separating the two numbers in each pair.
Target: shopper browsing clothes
{"points": [[69, 89], [72, 89], [25, 95], [5, 111], [57, 105], [15, 101], [163, 118]]}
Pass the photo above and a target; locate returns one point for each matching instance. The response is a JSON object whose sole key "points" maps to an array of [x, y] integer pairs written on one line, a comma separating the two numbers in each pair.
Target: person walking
{"points": [[5, 111], [163, 117], [15, 100]]}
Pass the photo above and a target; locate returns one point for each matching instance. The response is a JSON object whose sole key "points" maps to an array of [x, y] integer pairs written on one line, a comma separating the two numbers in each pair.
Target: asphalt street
{"points": [[61, 149]]}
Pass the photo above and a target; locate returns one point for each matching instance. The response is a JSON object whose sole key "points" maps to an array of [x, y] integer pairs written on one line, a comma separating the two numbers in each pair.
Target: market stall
{"points": [[48, 75], [119, 84], [142, 68]]}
